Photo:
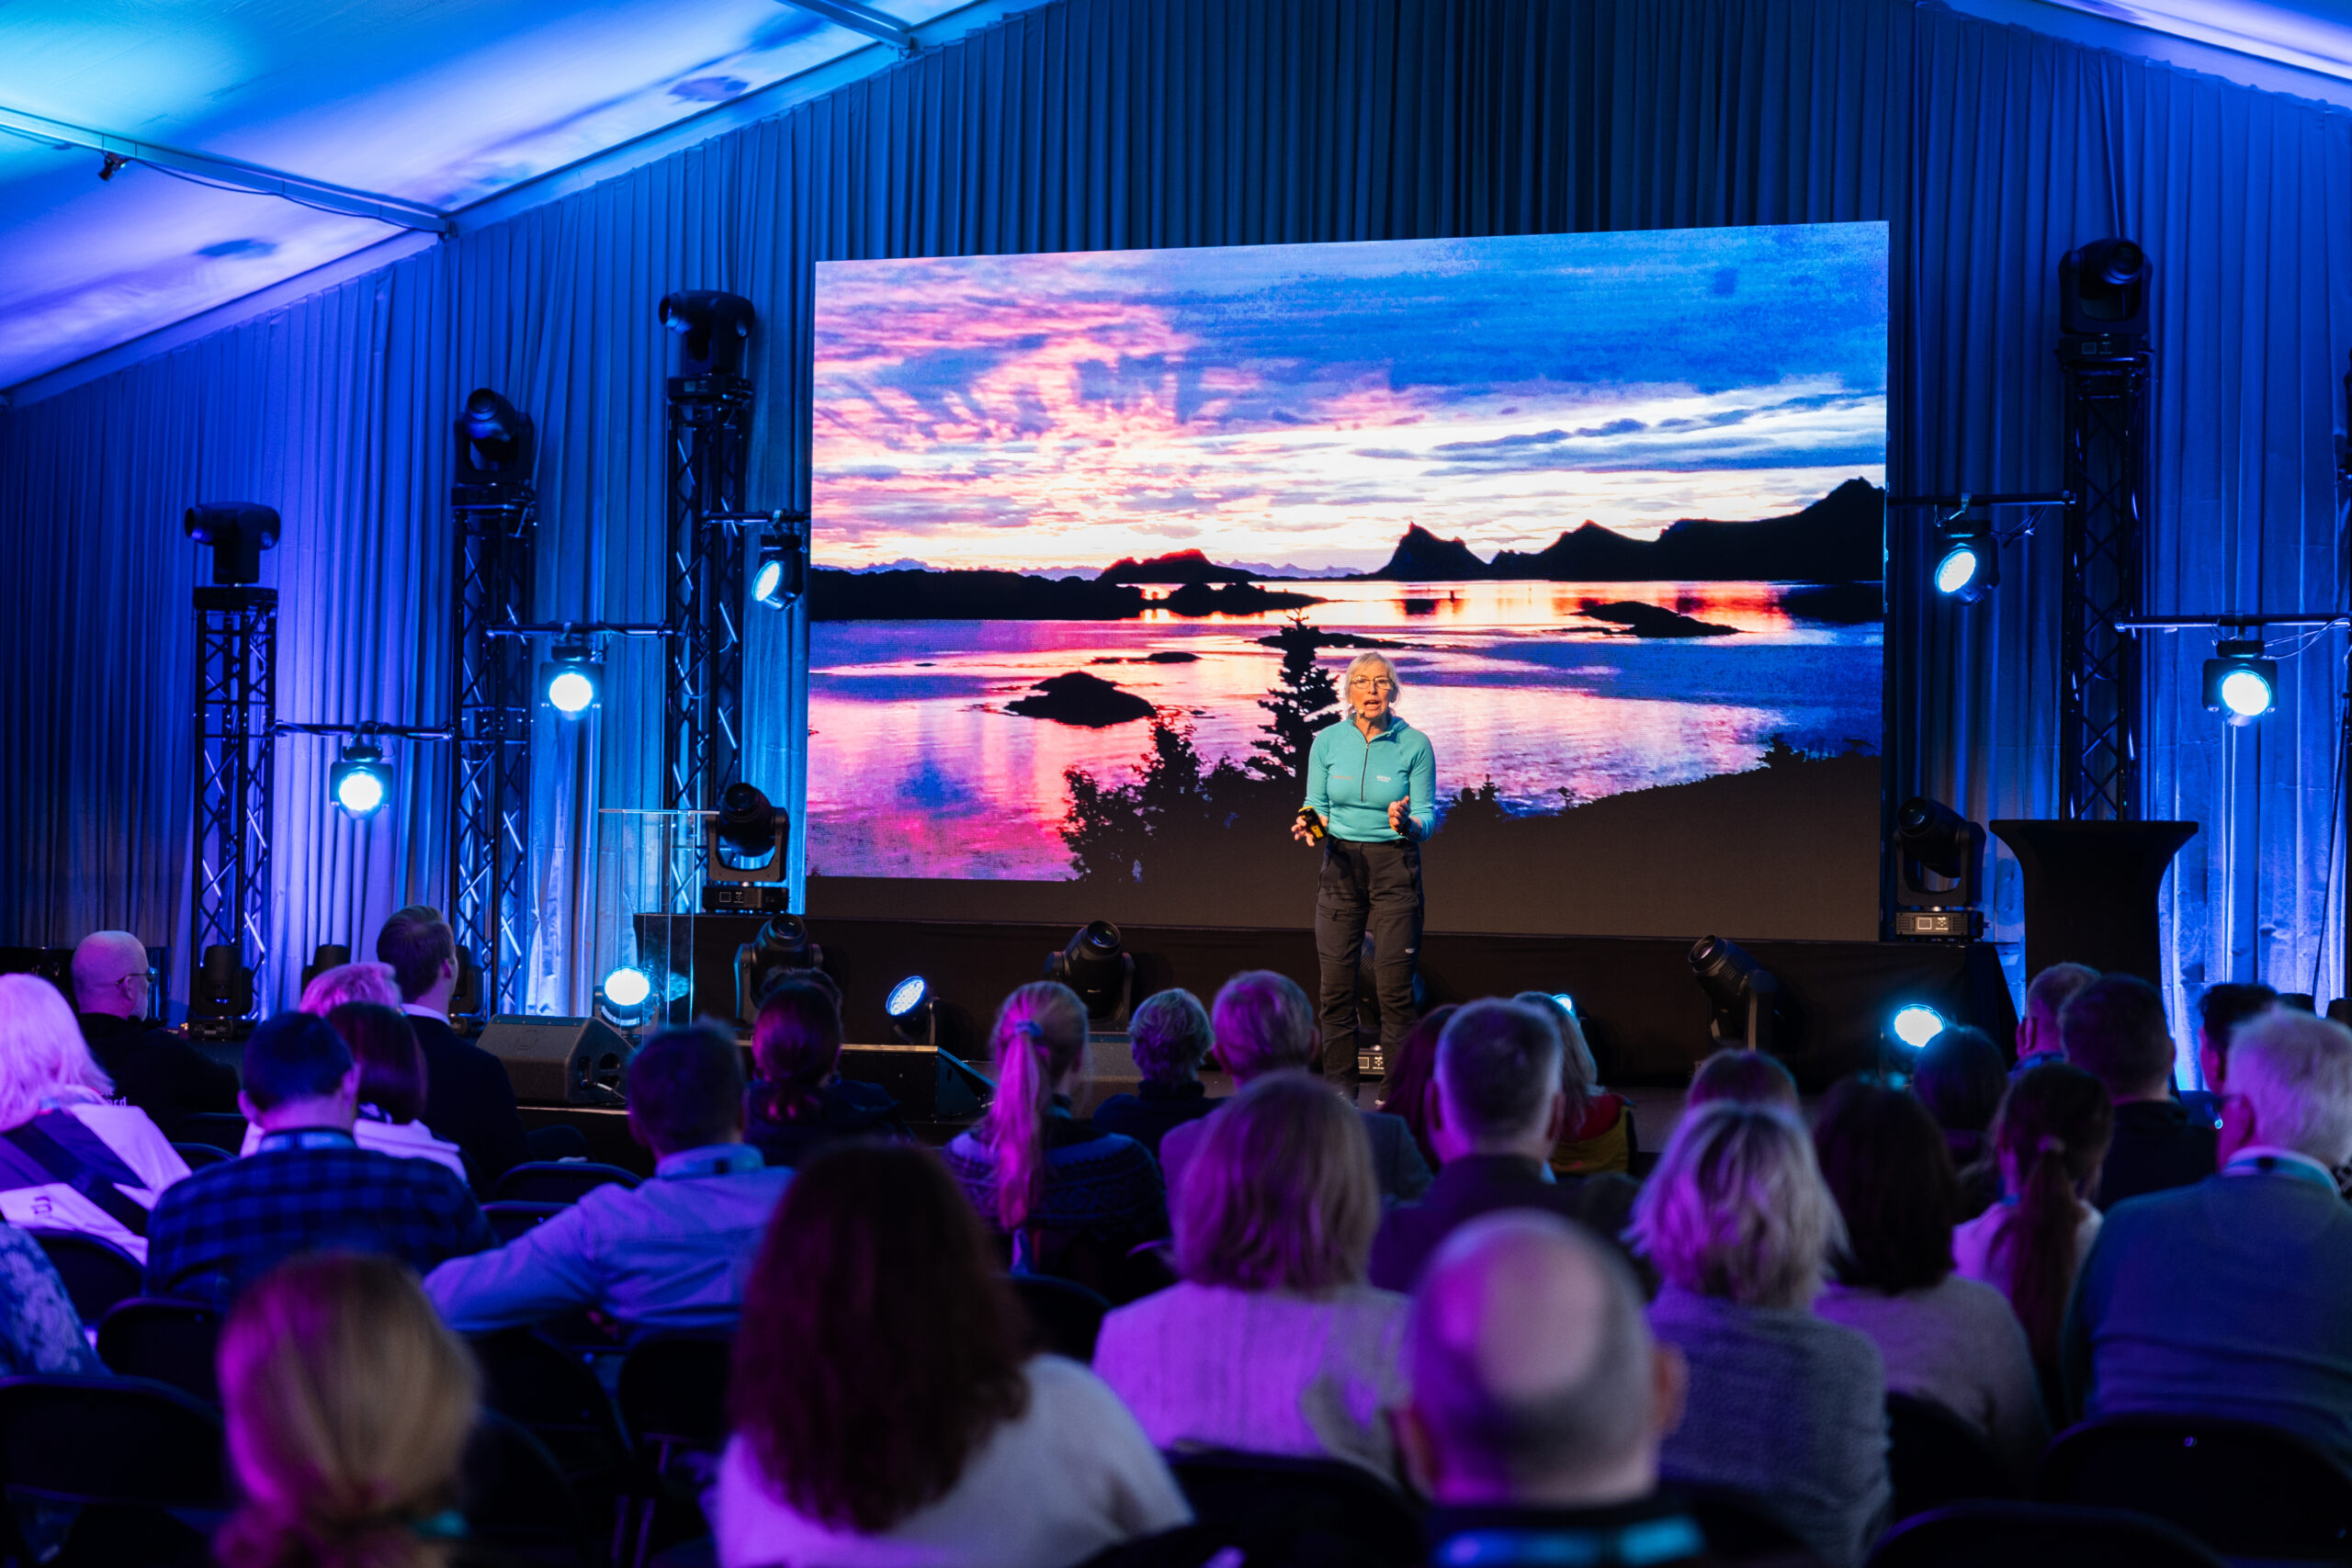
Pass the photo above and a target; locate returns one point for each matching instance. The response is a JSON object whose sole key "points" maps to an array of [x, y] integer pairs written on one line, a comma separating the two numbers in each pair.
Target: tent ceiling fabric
{"points": [[438, 102]]}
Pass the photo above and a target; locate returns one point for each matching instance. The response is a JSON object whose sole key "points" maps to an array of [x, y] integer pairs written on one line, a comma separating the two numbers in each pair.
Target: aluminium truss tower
{"points": [[490, 763], [236, 665], [709, 430], [2105, 437]]}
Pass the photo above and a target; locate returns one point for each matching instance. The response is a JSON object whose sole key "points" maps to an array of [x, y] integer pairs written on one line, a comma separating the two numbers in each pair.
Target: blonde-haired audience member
{"points": [[71, 1160], [1272, 1343], [1783, 1405], [348, 983]]}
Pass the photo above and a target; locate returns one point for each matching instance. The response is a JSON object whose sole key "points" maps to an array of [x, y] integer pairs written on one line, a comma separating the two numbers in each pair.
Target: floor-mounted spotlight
{"points": [[1970, 565], [360, 782], [913, 1012], [1096, 965], [781, 575], [625, 998], [1913, 1024], [572, 679], [1742, 995], [2239, 683], [1567, 1003]]}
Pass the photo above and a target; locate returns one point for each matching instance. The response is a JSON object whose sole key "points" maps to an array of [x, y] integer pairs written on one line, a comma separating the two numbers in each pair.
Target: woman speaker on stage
{"points": [[1371, 796]]}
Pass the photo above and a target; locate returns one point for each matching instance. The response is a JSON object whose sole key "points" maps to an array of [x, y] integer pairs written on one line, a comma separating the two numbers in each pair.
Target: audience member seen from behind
{"points": [[1272, 1343], [670, 1252], [2220, 1012], [801, 1103], [1784, 1405], [1603, 1140], [2227, 1299], [1263, 1024], [1061, 1189], [868, 1432], [1959, 1075], [1169, 1038], [2046, 996], [1404, 1092], [1943, 1337], [150, 1068], [1540, 1399], [2049, 1139], [391, 1086], [469, 1099], [347, 1406], [348, 983], [2114, 1031], [308, 1185], [1496, 1108], [68, 1160], [1743, 1078]]}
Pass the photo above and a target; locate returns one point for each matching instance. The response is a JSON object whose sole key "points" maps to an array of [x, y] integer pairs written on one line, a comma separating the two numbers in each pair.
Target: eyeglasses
{"points": [[1370, 683]]}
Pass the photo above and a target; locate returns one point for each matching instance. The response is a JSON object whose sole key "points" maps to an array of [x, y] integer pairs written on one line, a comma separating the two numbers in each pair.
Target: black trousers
{"points": [[1375, 887]]}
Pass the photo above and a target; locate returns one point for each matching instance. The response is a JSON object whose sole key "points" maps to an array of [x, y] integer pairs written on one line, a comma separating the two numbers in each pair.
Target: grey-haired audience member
{"points": [[1745, 1077], [1170, 1039]]}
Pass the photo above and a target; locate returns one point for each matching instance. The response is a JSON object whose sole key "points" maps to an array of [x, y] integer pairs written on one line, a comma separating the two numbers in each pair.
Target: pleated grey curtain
{"points": [[1091, 124]]}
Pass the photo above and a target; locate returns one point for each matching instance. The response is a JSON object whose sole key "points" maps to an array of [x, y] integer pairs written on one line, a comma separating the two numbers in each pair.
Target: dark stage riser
{"points": [[1643, 1010]]}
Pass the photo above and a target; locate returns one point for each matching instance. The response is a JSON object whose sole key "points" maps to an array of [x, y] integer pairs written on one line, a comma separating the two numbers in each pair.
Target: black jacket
{"points": [[470, 1101], [158, 1071], [1480, 1184], [847, 1108], [2157, 1144], [1146, 1114]]}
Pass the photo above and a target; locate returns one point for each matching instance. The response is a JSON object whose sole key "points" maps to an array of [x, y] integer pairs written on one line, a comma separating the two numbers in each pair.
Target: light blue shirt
{"points": [[671, 1253], [1352, 779]]}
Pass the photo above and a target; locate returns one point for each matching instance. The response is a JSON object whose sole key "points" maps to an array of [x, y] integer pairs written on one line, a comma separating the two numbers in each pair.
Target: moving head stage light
{"points": [[220, 998], [1745, 999], [782, 947], [238, 532], [1096, 965], [743, 864], [327, 955], [1932, 837], [712, 329]]}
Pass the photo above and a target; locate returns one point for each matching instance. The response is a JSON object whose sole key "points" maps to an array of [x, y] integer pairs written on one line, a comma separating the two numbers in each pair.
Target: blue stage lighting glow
{"points": [[1565, 1001], [359, 782], [907, 996], [1916, 1023], [570, 691], [627, 986], [2246, 694]]}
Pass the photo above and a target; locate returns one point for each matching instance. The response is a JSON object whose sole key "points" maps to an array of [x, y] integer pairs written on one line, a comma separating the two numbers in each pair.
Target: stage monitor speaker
{"points": [[930, 1084], [560, 1061]]}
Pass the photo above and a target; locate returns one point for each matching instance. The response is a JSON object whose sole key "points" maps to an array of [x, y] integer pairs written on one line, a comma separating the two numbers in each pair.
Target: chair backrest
{"points": [[111, 1440], [2242, 1489], [536, 1382], [166, 1341], [1067, 1315], [97, 1275], [510, 1217], [1324, 1498], [199, 1155], [2037, 1535], [1738, 1524], [674, 1393], [1934, 1457], [515, 1496], [557, 1181], [221, 1129]]}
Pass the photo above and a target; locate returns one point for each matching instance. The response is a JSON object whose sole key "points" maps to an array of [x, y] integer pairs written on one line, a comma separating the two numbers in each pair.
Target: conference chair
{"points": [[1739, 1524], [1067, 1316], [1328, 1500], [510, 1218], [553, 1391], [1934, 1457], [199, 1155], [516, 1501], [97, 1275], [2243, 1489], [672, 1394], [2038, 1535], [223, 1130], [165, 1341], [142, 1462], [553, 1181]]}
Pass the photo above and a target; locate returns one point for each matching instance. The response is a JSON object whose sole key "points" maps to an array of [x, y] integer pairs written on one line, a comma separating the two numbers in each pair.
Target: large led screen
{"points": [[1095, 534]]}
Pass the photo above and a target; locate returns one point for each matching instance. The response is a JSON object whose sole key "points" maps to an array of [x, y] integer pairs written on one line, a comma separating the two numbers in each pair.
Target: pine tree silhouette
{"points": [[1306, 700]]}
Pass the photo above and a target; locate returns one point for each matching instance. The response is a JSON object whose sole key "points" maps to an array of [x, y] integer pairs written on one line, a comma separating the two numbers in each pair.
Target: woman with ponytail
{"points": [[2049, 1138], [801, 1103], [348, 1403], [1034, 1170]]}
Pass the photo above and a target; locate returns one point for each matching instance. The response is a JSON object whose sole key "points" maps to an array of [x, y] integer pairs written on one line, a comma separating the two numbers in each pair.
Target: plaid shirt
{"points": [[305, 1192]]}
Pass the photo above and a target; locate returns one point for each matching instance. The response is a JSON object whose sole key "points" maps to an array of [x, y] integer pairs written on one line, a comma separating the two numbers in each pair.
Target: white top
{"points": [[1207, 1366], [138, 1143], [1957, 1343], [1972, 1243], [1071, 1474], [402, 1140]]}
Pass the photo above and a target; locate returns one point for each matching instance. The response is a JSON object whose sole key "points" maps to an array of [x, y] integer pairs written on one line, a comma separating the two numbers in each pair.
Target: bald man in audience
{"points": [[152, 1068], [1539, 1403], [2046, 996]]}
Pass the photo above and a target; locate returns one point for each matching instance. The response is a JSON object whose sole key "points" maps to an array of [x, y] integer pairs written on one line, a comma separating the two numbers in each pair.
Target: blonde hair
{"points": [[348, 1403], [1736, 1208], [1364, 660], [1040, 1035], [348, 983], [43, 1057], [1281, 1195]]}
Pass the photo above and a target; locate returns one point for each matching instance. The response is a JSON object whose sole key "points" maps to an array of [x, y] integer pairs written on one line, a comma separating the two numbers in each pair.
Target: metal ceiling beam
{"points": [[233, 172], [860, 19]]}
